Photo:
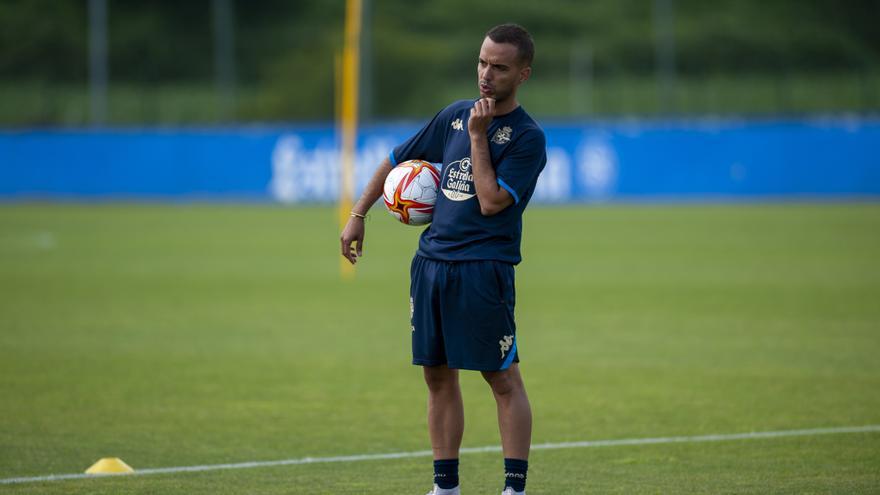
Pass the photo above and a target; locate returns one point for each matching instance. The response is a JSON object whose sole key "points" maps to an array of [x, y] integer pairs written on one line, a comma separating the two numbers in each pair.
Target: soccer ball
{"points": [[410, 192]]}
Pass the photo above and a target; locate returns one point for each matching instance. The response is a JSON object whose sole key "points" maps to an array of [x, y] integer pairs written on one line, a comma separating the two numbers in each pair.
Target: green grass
{"points": [[203, 334]]}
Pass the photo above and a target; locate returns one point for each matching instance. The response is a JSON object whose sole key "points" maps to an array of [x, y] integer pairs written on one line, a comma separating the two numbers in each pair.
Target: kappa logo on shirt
{"points": [[458, 125]]}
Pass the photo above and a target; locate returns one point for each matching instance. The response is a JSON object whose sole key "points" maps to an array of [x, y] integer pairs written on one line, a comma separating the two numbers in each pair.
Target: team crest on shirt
{"points": [[502, 135], [458, 182]]}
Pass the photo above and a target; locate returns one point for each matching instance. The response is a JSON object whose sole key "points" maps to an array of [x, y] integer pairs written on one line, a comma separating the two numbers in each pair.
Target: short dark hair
{"points": [[517, 36]]}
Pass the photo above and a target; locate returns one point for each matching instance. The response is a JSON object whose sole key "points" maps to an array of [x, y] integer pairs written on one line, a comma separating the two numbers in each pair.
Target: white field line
{"points": [[466, 450]]}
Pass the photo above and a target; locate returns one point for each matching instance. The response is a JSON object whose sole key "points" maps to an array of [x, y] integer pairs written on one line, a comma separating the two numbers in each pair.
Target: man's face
{"points": [[499, 71]]}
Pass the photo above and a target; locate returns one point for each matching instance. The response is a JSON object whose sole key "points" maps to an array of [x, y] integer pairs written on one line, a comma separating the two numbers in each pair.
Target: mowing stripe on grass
{"points": [[466, 450]]}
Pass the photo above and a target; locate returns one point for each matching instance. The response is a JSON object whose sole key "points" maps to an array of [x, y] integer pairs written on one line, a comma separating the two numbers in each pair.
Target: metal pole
{"points": [[98, 61], [224, 57], [664, 43], [349, 114]]}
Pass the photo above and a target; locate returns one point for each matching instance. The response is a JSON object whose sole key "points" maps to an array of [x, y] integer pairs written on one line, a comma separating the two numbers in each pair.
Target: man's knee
{"points": [[440, 378], [503, 382]]}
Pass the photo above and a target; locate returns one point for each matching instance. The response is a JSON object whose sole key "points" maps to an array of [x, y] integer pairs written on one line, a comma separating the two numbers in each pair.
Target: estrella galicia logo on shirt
{"points": [[458, 184]]}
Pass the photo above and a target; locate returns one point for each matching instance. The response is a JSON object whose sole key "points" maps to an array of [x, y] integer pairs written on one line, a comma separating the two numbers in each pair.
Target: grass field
{"points": [[178, 335]]}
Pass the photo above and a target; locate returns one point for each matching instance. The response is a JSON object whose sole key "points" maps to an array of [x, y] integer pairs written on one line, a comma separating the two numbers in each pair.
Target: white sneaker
{"points": [[445, 491], [511, 491]]}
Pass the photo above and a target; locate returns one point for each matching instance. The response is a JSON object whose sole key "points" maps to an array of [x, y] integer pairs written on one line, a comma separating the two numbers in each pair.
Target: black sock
{"points": [[446, 473], [515, 473]]}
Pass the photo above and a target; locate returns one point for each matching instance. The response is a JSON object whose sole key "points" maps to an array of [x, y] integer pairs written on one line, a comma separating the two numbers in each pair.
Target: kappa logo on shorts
{"points": [[505, 343], [412, 311]]}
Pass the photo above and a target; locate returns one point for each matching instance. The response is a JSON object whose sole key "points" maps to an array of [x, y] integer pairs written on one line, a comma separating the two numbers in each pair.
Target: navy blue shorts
{"points": [[462, 314]]}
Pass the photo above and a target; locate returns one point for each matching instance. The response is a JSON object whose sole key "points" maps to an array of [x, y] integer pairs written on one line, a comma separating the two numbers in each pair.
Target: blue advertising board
{"points": [[592, 161]]}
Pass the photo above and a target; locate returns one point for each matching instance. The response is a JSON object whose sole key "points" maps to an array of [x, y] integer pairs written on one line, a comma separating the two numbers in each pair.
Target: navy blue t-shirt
{"points": [[459, 232]]}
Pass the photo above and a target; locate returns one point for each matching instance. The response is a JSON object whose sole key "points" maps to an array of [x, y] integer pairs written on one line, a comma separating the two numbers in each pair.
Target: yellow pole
{"points": [[348, 116]]}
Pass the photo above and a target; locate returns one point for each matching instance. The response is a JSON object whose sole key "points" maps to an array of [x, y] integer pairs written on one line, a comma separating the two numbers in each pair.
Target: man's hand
{"points": [[353, 233], [352, 237], [481, 117]]}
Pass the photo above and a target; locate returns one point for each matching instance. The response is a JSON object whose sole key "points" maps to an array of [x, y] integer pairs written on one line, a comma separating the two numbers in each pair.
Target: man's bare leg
{"points": [[445, 411], [515, 423], [514, 411]]}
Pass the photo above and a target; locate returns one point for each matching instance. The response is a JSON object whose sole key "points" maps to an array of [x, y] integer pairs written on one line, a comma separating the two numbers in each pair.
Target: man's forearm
{"points": [[490, 195], [374, 188]]}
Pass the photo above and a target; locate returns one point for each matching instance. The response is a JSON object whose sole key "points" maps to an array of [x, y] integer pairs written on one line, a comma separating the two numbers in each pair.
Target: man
{"points": [[462, 277]]}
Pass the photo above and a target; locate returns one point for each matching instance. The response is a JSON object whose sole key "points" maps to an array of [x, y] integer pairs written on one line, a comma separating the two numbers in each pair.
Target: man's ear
{"points": [[524, 74]]}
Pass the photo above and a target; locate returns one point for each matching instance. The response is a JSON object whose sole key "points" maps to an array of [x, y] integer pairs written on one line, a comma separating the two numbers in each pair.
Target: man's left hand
{"points": [[481, 117]]}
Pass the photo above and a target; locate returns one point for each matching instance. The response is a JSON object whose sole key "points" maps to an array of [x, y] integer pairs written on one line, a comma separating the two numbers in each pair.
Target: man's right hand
{"points": [[352, 239]]}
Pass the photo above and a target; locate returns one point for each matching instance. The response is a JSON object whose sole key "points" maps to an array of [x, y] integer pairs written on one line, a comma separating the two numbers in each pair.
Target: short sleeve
{"points": [[518, 171], [427, 144]]}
